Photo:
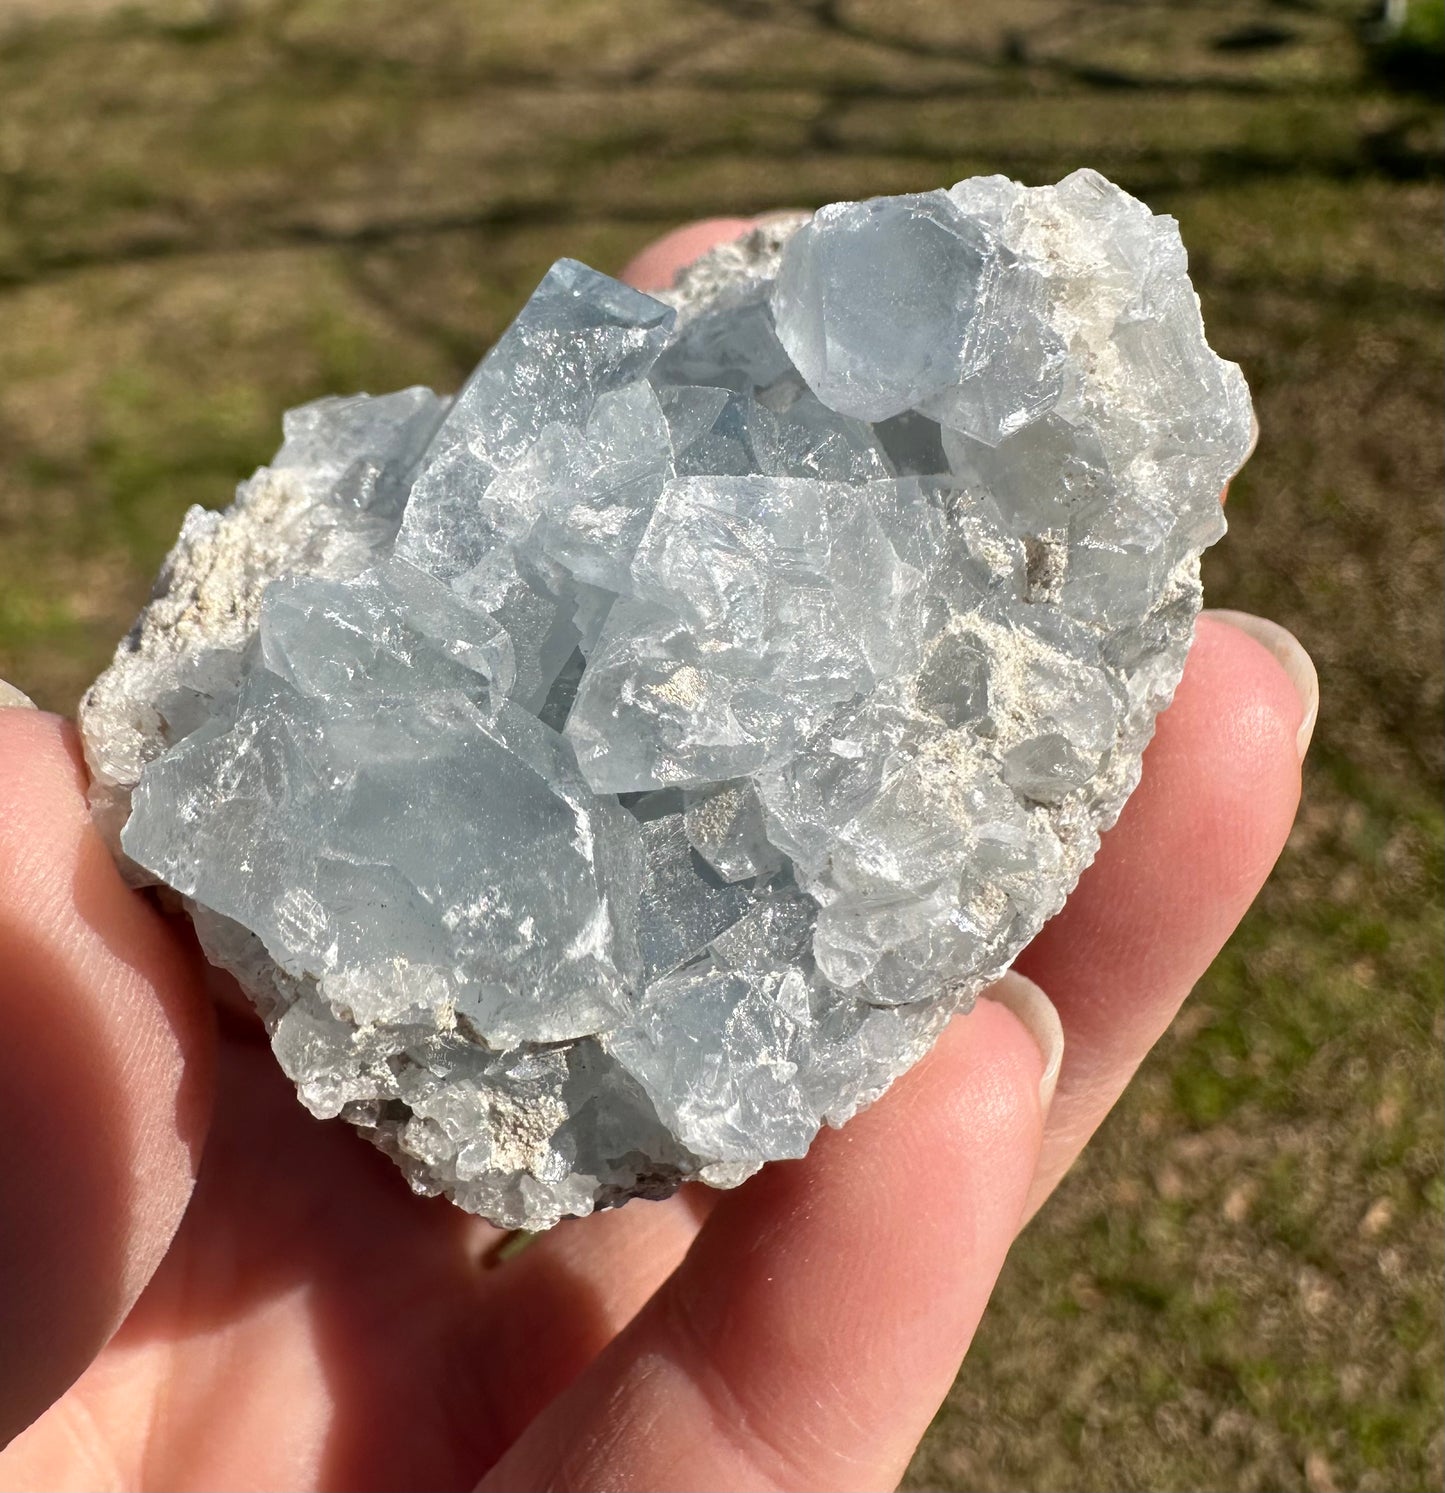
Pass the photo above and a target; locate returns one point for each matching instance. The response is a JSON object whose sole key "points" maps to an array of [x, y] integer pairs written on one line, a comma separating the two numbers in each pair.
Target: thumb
{"points": [[105, 1064]]}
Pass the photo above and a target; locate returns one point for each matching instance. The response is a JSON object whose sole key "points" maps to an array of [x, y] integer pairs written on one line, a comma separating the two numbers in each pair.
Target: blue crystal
{"points": [[610, 775]]}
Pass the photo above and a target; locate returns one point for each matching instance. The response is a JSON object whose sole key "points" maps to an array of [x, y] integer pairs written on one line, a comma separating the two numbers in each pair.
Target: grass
{"points": [[210, 212]]}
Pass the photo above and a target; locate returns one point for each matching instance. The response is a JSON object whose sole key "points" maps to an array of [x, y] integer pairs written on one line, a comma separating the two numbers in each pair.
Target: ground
{"points": [[211, 211]]}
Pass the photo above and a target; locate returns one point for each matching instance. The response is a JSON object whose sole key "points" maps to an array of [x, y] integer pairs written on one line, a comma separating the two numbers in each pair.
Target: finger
{"points": [[105, 1067], [819, 1318], [557, 1304], [656, 266], [1175, 875]]}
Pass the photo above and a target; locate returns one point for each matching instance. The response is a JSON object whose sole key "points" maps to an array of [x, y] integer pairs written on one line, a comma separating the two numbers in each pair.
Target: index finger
{"points": [[1174, 877]]}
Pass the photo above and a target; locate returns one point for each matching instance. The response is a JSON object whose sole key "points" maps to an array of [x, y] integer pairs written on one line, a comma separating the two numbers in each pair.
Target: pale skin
{"points": [[201, 1287]]}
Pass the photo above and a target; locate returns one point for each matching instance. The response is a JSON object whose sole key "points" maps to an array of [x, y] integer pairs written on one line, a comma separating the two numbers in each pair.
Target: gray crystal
{"points": [[611, 775], [726, 827]]}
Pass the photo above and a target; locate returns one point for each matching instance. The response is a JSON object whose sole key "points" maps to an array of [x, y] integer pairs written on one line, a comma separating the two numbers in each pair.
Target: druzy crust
{"points": [[611, 774]]}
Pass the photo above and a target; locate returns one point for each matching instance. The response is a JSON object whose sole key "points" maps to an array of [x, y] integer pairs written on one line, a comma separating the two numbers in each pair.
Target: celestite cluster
{"points": [[611, 774]]}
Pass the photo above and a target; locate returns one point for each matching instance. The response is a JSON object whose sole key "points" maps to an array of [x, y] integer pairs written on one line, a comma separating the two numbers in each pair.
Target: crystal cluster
{"points": [[611, 774]]}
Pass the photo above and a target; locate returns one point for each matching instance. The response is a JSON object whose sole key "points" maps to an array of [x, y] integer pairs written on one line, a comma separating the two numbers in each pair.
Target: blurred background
{"points": [[213, 209]]}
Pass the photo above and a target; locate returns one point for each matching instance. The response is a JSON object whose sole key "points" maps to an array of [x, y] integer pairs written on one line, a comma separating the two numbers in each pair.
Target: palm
{"points": [[314, 1324]]}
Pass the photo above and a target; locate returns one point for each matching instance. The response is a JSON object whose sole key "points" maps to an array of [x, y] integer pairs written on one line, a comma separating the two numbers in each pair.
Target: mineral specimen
{"points": [[611, 774]]}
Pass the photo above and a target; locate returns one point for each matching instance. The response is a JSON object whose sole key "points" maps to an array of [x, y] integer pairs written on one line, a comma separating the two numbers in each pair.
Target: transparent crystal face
{"points": [[612, 774]]}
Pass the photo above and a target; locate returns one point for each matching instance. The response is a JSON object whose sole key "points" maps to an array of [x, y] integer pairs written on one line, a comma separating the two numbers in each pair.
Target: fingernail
{"points": [[1292, 658], [1040, 1019], [14, 699]]}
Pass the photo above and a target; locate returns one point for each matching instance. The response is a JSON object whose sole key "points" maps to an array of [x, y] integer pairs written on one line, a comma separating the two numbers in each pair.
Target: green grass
{"points": [[206, 217]]}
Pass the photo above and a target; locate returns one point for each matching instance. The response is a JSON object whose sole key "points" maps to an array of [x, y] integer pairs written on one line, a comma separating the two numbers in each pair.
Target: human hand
{"points": [[205, 1288]]}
